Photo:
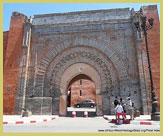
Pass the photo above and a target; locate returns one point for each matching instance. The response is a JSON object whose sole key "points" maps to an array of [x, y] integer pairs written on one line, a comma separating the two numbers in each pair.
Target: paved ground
{"points": [[13, 118], [79, 124], [81, 109]]}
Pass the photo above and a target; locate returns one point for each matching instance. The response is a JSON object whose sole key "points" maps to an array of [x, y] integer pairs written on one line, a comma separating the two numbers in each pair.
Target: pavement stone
{"points": [[17, 119], [142, 120]]}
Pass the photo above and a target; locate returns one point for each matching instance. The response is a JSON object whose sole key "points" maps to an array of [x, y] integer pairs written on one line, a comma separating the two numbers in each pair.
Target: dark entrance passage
{"points": [[69, 97]]}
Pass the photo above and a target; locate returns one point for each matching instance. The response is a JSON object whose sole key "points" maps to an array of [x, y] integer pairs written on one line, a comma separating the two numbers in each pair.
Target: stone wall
{"points": [[58, 45], [104, 40]]}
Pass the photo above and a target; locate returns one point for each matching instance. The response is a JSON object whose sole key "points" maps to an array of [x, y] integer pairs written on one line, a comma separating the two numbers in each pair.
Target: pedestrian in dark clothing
{"points": [[116, 102], [122, 102]]}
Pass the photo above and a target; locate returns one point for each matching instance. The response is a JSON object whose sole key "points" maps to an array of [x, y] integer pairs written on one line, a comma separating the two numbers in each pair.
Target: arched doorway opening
{"points": [[75, 73], [81, 94]]}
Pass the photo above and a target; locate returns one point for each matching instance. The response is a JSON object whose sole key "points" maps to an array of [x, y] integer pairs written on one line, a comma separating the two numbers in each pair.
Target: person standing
{"points": [[119, 111], [130, 108], [115, 101], [115, 105], [122, 102]]}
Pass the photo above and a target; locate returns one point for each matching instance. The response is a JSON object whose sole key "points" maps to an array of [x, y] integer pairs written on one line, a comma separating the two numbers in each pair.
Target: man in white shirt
{"points": [[129, 102], [130, 108], [119, 111]]}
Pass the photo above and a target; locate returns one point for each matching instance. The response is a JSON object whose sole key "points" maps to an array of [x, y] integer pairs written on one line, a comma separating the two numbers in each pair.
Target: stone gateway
{"points": [[45, 54]]}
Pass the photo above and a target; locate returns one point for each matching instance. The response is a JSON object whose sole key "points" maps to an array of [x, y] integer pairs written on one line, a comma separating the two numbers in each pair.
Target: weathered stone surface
{"points": [[99, 105], [102, 45], [82, 17], [38, 105], [63, 105]]}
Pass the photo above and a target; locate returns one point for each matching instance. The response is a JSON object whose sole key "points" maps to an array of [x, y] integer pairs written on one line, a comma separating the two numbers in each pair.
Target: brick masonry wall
{"points": [[46, 39], [154, 47], [88, 91], [11, 65]]}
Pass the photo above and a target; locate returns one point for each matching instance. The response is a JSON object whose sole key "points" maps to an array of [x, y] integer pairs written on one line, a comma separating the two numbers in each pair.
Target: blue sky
{"points": [[30, 9]]}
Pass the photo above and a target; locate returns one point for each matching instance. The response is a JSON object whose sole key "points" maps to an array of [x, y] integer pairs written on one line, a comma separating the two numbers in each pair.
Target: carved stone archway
{"points": [[97, 54], [86, 55], [69, 74], [105, 49], [50, 77]]}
